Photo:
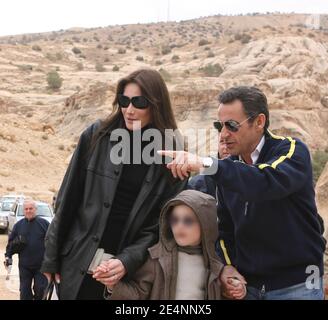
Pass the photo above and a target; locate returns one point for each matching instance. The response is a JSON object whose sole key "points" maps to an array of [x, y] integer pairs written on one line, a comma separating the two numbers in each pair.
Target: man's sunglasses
{"points": [[139, 102], [231, 125], [186, 221]]}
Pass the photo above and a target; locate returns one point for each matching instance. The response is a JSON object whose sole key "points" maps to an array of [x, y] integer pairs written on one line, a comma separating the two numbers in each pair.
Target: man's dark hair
{"points": [[253, 99]]}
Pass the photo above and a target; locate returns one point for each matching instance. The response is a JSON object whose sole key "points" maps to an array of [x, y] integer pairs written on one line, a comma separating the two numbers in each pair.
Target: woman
{"points": [[110, 205]]}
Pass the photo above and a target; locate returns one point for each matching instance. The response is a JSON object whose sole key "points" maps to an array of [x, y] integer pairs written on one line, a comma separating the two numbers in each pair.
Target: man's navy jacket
{"points": [[34, 231], [269, 227]]}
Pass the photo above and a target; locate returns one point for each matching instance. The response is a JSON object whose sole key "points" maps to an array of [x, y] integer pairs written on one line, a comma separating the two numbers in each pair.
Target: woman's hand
{"points": [[110, 272], [49, 276]]}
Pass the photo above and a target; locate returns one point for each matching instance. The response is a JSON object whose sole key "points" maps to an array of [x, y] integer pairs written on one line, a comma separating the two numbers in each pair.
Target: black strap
{"points": [[50, 289], [47, 295]]}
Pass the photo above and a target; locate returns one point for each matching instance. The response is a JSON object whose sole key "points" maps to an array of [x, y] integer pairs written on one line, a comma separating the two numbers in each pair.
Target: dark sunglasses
{"points": [[186, 221], [231, 125], [139, 102]]}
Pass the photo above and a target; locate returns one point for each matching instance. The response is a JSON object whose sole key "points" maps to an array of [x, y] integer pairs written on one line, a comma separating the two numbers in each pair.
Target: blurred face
{"points": [[244, 141], [29, 210], [135, 118], [185, 226], [223, 149]]}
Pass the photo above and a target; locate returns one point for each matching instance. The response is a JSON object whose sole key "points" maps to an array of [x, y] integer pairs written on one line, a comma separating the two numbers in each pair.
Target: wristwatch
{"points": [[207, 162]]}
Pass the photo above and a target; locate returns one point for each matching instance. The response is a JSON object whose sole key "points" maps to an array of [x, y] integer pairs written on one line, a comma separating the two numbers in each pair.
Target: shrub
{"points": [[166, 50], [121, 51], [245, 38], [211, 54], [203, 42], [175, 59], [158, 62], [237, 36], [99, 67], [212, 70], [165, 74], [116, 68], [139, 58], [76, 50], [319, 160], [54, 80], [36, 48]]}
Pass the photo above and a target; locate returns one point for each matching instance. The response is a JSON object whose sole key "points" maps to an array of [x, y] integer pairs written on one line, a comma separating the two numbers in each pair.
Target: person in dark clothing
{"points": [[204, 183], [31, 230], [270, 232], [113, 204]]}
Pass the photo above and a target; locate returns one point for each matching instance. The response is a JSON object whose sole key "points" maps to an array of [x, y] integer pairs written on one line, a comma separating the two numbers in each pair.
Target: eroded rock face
{"points": [[287, 62]]}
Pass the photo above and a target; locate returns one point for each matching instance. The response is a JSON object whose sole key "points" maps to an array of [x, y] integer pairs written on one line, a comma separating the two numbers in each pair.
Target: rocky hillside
{"points": [[198, 59]]}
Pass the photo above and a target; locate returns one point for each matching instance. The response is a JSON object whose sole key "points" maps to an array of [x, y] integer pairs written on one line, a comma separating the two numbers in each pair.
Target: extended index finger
{"points": [[167, 153]]}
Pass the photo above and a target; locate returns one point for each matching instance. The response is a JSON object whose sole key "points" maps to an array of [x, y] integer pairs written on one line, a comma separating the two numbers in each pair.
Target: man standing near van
{"points": [[27, 239]]}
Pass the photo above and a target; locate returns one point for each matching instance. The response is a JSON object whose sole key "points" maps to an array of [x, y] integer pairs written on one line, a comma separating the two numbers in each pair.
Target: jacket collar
{"points": [[264, 148]]}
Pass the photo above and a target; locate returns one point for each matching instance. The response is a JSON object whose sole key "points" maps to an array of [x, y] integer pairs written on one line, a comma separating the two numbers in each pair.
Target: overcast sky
{"points": [[26, 16]]}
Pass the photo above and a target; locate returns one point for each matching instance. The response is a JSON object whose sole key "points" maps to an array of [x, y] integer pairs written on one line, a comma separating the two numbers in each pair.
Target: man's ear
{"points": [[260, 121]]}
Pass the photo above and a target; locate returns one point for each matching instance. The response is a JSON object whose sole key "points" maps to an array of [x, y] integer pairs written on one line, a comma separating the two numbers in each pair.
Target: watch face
{"points": [[207, 162]]}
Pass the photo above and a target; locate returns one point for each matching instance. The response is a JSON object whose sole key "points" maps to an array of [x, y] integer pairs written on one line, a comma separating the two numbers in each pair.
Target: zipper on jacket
{"points": [[263, 290], [246, 208]]}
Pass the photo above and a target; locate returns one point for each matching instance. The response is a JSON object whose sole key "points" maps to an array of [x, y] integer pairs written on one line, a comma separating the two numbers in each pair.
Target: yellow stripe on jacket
{"points": [[224, 249], [282, 158]]}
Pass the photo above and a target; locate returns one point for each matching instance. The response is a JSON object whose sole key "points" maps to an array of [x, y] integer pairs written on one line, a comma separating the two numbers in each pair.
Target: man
{"points": [[27, 239], [270, 232]]}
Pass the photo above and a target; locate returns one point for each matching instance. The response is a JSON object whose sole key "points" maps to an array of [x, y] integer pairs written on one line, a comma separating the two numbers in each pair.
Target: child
{"points": [[183, 264]]}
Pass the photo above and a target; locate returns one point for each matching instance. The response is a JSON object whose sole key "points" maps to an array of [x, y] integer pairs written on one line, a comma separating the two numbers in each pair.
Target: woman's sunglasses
{"points": [[139, 102], [186, 221], [231, 125]]}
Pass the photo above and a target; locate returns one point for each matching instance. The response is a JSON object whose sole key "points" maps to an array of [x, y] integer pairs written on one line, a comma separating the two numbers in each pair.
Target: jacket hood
{"points": [[204, 207]]}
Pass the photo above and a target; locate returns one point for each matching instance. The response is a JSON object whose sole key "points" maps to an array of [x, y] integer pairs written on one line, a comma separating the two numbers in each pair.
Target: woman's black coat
{"points": [[83, 204]]}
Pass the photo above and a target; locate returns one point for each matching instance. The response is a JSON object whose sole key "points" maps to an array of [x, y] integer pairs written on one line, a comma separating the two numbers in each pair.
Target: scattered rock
{"points": [[34, 153], [324, 101]]}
